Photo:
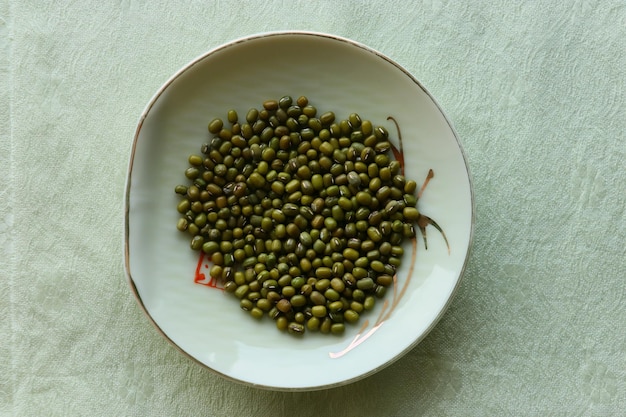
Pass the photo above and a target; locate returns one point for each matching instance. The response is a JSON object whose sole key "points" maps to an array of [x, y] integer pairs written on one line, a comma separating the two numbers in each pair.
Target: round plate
{"points": [[168, 278]]}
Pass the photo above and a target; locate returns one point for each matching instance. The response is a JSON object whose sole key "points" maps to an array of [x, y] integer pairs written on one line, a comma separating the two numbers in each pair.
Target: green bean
{"points": [[331, 294], [335, 306], [313, 324], [365, 284], [411, 214], [351, 316], [327, 118], [182, 224], [197, 242], [384, 280], [337, 328], [281, 322], [369, 302], [216, 125], [270, 104]]}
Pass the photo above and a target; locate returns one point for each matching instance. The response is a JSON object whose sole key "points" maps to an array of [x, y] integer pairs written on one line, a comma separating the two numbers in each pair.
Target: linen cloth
{"points": [[535, 90]]}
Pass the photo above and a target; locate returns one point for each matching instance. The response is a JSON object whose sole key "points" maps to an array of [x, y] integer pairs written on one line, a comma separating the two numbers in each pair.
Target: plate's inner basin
{"points": [[335, 75]]}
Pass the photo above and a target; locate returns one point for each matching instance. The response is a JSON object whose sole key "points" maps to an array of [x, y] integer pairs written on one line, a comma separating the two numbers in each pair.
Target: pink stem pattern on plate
{"points": [[422, 222]]}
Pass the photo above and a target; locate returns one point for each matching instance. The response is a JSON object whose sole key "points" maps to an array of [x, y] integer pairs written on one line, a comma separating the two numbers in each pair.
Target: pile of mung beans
{"points": [[303, 215]]}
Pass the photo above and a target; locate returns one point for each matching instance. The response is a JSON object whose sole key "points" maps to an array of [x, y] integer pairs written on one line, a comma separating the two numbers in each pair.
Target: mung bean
{"points": [[302, 214]]}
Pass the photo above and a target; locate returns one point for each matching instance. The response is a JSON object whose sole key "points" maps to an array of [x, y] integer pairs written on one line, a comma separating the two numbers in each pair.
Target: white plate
{"points": [[335, 74]]}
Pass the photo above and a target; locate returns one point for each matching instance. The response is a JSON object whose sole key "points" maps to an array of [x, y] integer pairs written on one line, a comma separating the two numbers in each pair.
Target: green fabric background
{"points": [[535, 90]]}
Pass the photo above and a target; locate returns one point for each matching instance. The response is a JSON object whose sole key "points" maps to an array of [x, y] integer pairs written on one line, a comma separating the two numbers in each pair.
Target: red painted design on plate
{"points": [[202, 275]]}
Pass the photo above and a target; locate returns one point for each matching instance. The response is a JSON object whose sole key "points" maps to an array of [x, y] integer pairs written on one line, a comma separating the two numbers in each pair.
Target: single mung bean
{"points": [[216, 125], [410, 186], [308, 110], [313, 324], [374, 234], [338, 213], [315, 124], [350, 254], [298, 300], [408, 230], [295, 328], [288, 291], [292, 186], [327, 118], [319, 311], [278, 216], [256, 180], [337, 328], [365, 284], [326, 325], [394, 261], [323, 274], [299, 317], [381, 132], [356, 306], [322, 284], [410, 200], [302, 101], [182, 224], [359, 273], [327, 148], [380, 291], [256, 312], [364, 198], [270, 105], [252, 115], [283, 305], [253, 295], [317, 298], [354, 178], [230, 286], [193, 229], [225, 134], [281, 322], [358, 295], [335, 306], [246, 304], [192, 173], [375, 217], [294, 112], [210, 247], [351, 316], [397, 251], [285, 102], [242, 291], [181, 189], [354, 120], [337, 284], [394, 167], [362, 262], [306, 187], [369, 302], [371, 141], [197, 242], [195, 160], [384, 280], [411, 214], [367, 127], [331, 294], [330, 223]]}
